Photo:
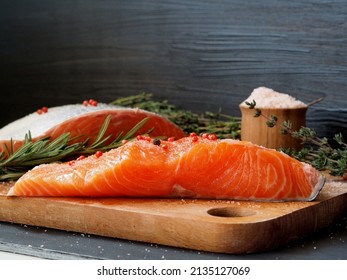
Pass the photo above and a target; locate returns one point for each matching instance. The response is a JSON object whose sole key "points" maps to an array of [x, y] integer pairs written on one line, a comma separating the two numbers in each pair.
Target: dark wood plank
{"points": [[198, 54]]}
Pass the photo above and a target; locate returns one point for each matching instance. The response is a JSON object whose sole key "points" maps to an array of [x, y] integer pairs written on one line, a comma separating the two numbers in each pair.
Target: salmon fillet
{"points": [[85, 122], [195, 167]]}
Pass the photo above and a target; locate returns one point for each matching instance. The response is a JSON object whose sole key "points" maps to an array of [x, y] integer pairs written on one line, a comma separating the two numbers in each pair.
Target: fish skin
{"points": [[85, 121], [211, 169]]}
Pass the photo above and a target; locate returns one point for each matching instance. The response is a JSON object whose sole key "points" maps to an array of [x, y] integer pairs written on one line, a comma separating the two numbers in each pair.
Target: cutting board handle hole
{"points": [[230, 212]]}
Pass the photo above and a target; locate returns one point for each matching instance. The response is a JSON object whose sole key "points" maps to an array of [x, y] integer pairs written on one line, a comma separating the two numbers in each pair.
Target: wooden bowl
{"points": [[255, 129]]}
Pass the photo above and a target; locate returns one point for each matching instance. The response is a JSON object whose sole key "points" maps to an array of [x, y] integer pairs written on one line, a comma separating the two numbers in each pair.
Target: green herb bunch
{"points": [[224, 126], [318, 151]]}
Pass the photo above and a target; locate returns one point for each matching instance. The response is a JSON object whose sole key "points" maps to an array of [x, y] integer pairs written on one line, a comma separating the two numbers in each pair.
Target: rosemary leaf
{"points": [[131, 133], [100, 139]]}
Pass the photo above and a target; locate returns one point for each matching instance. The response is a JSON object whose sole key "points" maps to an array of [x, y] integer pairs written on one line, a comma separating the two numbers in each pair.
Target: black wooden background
{"points": [[199, 54]]}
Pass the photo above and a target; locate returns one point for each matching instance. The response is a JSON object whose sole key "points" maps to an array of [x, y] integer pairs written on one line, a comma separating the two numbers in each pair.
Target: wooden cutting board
{"points": [[210, 225]]}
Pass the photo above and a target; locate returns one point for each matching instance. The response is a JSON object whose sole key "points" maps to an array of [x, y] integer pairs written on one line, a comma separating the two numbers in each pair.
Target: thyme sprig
{"points": [[223, 125], [317, 151], [270, 121], [14, 163]]}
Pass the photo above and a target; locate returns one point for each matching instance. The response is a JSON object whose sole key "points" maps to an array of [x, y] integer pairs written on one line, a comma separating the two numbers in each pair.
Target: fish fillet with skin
{"points": [[196, 168], [85, 122]]}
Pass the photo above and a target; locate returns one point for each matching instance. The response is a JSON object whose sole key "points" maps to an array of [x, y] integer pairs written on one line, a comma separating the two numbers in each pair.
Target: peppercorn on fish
{"points": [[193, 166], [84, 121]]}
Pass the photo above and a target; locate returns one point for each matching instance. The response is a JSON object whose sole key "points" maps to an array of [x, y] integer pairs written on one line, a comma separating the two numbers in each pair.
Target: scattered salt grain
{"points": [[268, 98]]}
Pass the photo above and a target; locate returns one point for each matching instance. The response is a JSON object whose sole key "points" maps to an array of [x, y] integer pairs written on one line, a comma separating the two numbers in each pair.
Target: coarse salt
{"points": [[268, 98]]}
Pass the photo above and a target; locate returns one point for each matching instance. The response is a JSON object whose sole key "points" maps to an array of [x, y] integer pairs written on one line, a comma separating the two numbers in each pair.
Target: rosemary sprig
{"points": [[224, 126], [101, 139], [15, 163], [316, 151]]}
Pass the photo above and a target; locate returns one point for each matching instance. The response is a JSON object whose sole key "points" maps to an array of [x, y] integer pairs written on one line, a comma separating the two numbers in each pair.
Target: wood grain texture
{"points": [[223, 226], [200, 55]]}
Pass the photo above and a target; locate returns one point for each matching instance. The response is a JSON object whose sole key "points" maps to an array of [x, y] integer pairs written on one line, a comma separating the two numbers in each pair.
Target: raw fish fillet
{"points": [[193, 167], [85, 121]]}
